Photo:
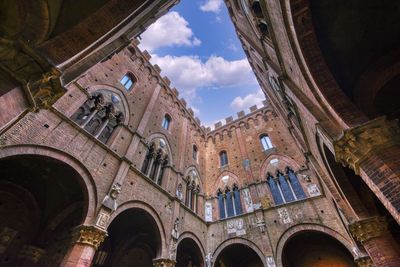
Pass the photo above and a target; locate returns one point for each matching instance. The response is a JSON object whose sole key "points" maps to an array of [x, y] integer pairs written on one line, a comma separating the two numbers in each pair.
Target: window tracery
{"points": [[192, 190], [100, 114], [156, 160], [229, 202], [285, 187]]}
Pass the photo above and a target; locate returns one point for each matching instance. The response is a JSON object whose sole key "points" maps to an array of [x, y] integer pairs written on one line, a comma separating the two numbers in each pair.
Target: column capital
{"points": [[356, 143], [367, 229], [164, 263], [364, 262], [90, 235]]}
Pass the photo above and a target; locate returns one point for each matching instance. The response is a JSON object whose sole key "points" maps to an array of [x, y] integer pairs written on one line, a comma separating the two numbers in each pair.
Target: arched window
{"points": [[265, 142], [285, 187], [156, 161], [223, 158], [166, 122], [194, 153], [229, 202], [128, 81], [100, 115], [192, 190]]}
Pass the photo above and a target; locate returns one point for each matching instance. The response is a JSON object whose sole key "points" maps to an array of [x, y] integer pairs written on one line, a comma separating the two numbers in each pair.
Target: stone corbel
{"points": [[39, 78], [355, 144], [364, 262], [367, 229]]}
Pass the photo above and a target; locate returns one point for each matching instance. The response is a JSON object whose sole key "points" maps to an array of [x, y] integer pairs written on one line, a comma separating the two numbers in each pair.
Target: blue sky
{"points": [[197, 49]]}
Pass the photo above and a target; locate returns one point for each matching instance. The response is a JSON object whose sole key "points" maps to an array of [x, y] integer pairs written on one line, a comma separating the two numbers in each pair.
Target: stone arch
{"points": [[87, 183], [218, 184], [194, 168], [93, 88], [242, 241], [135, 204], [163, 136], [310, 227]]}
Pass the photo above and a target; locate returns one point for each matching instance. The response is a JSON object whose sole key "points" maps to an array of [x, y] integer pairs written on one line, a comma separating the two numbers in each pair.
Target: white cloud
{"points": [[188, 73], [169, 30], [241, 103], [212, 6]]}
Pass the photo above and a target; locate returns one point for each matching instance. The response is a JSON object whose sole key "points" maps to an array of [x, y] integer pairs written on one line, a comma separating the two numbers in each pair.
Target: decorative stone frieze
{"points": [[90, 235], [164, 263], [32, 253], [356, 143], [368, 229], [364, 262]]}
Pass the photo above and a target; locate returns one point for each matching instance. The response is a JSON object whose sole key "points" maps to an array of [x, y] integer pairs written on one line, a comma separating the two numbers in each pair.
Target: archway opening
{"points": [[238, 255], [133, 238], [386, 100], [315, 249], [41, 200], [188, 254], [360, 197]]}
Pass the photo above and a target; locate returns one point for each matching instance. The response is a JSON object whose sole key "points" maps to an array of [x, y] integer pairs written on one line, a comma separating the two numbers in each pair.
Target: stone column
{"points": [[372, 150], [164, 263], [377, 241], [89, 238]]}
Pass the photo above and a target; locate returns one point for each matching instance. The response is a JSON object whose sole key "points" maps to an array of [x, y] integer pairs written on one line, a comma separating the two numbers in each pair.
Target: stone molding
{"points": [[355, 144], [164, 263], [90, 235], [364, 262], [367, 229]]}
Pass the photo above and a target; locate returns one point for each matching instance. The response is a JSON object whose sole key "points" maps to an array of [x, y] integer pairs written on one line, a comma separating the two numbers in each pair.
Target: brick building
{"points": [[103, 164]]}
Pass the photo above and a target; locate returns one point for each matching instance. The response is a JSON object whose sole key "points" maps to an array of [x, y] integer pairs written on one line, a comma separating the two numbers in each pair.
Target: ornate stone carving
{"points": [[90, 235], [164, 263], [110, 200], [32, 253], [265, 202], [179, 193], [39, 78], [102, 219], [209, 260], [284, 215], [356, 143], [368, 229], [364, 262]]}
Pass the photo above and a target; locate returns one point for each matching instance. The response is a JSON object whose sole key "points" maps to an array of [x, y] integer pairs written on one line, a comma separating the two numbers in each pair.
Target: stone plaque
{"points": [[313, 190], [236, 226], [248, 202], [208, 212], [284, 215], [102, 220]]}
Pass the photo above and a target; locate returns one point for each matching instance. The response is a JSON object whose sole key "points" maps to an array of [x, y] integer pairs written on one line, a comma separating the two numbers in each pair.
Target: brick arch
{"points": [[192, 236], [310, 227], [304, 43], [242, 241], [288, 162], [87, 183], [163, 136], [93, 88], [218, 183], [135, 204]]}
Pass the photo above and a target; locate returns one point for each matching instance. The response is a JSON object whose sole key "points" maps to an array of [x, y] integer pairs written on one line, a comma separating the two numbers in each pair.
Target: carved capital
{"points": [[364, 262], [368, 229], [164, 263], [356, 143], [32, 253], [90, 235]]}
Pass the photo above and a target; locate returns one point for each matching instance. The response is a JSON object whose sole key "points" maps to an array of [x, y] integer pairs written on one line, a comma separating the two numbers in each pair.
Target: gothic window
{"points": [[223, 158], [128, 81], [192, 190], [285, 187], [229, 202], [156, 161], [194, 153], [100, 115], [266, 142], [166, 122]]}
